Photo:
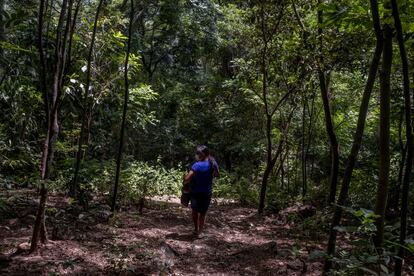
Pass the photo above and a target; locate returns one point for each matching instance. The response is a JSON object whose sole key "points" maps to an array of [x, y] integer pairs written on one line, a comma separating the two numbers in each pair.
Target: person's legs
{"points": [[199, 204], [195, 216], [201, 221], [194, 211], [204, 204]]}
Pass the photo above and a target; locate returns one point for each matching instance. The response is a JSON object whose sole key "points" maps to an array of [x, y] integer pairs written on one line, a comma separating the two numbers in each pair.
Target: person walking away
{"points": [[202, 173]]}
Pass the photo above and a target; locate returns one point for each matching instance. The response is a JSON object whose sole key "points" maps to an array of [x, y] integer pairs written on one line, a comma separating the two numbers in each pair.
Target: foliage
{"points": [[197, 74], [140, 180], [361, 256]]}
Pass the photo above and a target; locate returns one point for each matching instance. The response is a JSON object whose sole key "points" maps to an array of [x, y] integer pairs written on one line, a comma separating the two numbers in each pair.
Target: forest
{"points": [[306, 105]]}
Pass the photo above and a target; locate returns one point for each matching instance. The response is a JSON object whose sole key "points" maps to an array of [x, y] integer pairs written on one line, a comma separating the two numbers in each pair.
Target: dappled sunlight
{"points": [[206, 137], [162, 238]]}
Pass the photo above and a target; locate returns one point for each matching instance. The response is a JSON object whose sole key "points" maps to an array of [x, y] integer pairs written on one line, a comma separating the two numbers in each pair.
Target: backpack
{"points": [[185, 194], [186, 189]]}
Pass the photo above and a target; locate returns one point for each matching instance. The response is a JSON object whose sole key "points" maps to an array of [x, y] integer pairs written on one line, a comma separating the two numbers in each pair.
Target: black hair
{"points": [[203, 151]]}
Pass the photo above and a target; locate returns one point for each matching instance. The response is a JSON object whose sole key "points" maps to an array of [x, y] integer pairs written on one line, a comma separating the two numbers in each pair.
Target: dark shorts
{"points": [[200, 202]]}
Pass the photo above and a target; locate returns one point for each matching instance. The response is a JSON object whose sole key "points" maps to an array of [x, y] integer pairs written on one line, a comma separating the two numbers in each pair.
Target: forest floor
{"points": [[237, 241]]}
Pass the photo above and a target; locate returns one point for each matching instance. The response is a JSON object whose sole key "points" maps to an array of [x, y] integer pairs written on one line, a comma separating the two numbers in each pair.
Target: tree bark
{"points": [[268, 110], [2, 36], [384, 140], [310, 132], [394, 198], [51, 108], [268, 128], [74, 189], [409, 137], [72, 31], [125, 108], [356, 144], [43, 189], [270, 163], [303, 147], [324, 87]]}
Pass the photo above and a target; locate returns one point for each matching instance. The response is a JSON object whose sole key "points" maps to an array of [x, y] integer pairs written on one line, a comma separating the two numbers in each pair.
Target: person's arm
{"points": [[188, 177], [216, 171]]}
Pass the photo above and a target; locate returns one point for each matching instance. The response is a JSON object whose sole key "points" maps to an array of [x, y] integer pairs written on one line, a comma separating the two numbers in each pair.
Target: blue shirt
{"points": [[203, 176]]}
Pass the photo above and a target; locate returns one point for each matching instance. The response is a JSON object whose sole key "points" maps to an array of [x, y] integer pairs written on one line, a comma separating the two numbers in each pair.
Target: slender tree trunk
{"points": [[42, 75], [269, 112], [356, 144], [288, 169], [266, 175], [125, 107], [74, 189], [51, 108], [2, 37], [397, 190], [409, 136], [282, 174], [269, 164], [269, 117], [310, 132], [2, 34], [304, 180], [384, 140], [324, 87], [72, 31]]}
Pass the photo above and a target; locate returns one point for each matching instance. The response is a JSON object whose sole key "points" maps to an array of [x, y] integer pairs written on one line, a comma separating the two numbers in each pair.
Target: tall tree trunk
{"points": [[394, 201], [42, 75], [269, 111], [304, 180], [324, 87], [51, 108], [125, 107], [2, 36], [74, 188], [310, 131], [356, 144], [270, 163], [269, 117], [288, 169], [72, 31], [384, 140], [409, 136]]}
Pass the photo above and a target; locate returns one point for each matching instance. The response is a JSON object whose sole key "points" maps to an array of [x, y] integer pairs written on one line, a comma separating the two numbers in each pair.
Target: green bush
{"points": [[140, 180], [361, 257]]}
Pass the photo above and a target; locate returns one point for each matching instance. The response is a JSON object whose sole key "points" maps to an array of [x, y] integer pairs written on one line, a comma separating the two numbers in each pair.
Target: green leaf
{"points": [[316, 255], [372, 272], [13, 47], [384, 268]]}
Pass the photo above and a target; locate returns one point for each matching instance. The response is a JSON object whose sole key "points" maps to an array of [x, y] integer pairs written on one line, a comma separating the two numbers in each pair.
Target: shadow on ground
{"points": [[237, 242]]}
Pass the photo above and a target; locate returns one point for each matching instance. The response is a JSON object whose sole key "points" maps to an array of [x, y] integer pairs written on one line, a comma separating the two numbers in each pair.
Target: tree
{"points": [[2, 30], [324, 87], [125, 108], [52, 104], [409, 136], [384, 140], [269, 111], [87, 107], [356, 144]]}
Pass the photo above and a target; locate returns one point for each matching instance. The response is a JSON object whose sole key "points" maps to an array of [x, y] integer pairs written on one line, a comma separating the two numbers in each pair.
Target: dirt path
{"points": [[236, 242]]}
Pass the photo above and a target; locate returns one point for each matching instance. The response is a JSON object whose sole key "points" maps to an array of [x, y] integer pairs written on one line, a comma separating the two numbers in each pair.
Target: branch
{"points": [[297, 16], [280, 102]]}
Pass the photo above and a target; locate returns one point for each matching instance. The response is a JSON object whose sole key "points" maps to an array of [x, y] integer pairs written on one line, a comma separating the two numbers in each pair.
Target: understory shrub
{"points": [[141, 179]]}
